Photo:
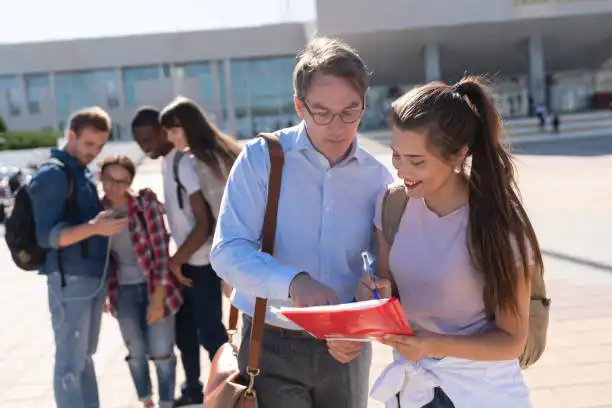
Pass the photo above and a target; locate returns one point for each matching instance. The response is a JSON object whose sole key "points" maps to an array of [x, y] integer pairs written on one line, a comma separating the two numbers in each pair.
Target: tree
{"points": [[3, 128]]}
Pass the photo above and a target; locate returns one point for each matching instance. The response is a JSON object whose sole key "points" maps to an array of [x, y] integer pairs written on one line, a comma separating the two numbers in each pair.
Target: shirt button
{"points": [[326, 209]]}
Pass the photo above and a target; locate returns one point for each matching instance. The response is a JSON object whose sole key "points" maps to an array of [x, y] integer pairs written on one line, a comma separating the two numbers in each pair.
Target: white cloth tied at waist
{"points": [[467, 383]]}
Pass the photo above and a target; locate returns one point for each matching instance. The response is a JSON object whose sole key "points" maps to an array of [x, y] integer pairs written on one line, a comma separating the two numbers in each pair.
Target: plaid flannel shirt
{"points": [[151, 247]]}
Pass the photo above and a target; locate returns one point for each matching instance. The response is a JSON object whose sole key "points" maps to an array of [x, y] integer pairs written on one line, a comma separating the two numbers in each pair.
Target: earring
{"points": [[457, 169]]}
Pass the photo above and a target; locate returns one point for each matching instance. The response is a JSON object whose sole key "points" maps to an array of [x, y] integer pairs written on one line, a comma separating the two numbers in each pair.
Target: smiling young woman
{"points": [[464, 247]]}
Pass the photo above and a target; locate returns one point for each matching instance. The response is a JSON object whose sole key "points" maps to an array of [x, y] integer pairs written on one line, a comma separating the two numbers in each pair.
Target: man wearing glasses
{"points": [[329, 188]]}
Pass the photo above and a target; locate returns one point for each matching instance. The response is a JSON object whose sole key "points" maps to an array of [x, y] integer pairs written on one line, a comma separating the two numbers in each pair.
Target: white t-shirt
{"points": [[182, 221]]}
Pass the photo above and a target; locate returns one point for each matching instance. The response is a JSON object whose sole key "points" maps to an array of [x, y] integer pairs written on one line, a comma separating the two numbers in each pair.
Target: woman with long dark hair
{"points": [[199, 166], [464, 247], [188, 127]]}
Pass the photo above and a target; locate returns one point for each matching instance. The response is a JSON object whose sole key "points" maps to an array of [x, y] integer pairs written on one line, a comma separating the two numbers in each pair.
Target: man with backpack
{"points": [[70, 227]]}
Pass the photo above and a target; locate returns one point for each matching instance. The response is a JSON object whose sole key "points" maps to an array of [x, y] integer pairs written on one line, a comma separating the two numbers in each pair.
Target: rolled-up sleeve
{"points": [[48, 191], [159, 240], [235, 254]]}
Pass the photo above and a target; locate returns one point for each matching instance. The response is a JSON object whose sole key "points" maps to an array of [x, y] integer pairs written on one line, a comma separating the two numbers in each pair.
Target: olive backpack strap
{"points": [[393, 206]]}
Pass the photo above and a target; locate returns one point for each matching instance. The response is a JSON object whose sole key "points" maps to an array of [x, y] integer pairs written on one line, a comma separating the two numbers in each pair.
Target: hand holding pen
{"points": [[371, 286], [367, 267]]}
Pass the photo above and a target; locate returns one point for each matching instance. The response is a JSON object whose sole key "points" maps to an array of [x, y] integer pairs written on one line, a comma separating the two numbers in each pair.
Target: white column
{"points": [[231, 111], [432, 62], [52, 96], [119, 85], [537, 71], [177, 79], [122, 118], [23, 98], [216, 88]]}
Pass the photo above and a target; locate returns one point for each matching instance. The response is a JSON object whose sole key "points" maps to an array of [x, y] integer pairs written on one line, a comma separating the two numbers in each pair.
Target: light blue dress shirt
{"points": [[325, 221]]}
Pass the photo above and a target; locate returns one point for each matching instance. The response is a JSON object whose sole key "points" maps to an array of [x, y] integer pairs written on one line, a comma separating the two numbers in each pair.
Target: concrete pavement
{"points": [[568, 191]]}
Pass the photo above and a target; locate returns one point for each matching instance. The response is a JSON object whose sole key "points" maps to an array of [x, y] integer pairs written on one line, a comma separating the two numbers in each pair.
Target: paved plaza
{"points": [[567, 187]]}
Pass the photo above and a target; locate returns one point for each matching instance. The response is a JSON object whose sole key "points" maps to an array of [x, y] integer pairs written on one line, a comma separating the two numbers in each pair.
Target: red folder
{"points": [[372, 319]]}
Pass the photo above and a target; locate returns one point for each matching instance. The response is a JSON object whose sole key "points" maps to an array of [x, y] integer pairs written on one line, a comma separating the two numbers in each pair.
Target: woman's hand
{"points": [[366, 286], [175, 267], [344, 351], [147, 192], [155, 311], [412, 348]]}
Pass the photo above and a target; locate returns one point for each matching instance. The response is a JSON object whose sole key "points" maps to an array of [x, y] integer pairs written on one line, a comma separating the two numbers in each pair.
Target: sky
{"points": [[47, 20]]}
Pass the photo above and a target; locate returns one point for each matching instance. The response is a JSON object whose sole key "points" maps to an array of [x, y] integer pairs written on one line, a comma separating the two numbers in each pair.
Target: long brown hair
{"points": [[464, 114], [206, 142]]}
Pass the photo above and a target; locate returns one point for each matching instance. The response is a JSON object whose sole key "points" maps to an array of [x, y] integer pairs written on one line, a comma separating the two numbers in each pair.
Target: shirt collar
{"points": [[66, 157], [358, 151], [302, 142]]}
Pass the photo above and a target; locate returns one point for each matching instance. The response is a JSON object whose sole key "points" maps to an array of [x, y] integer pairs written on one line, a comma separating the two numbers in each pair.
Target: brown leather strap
{"points": [[233, 318], [277, 160]]}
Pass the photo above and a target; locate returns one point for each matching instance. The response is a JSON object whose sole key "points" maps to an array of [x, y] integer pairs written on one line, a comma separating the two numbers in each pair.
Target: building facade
{"points": [[540, 53], [548, 53], [242, 78]]}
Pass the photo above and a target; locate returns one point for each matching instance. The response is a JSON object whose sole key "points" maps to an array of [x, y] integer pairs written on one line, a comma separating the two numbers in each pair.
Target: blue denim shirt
{"points": [[48, 191], [325, 221]]}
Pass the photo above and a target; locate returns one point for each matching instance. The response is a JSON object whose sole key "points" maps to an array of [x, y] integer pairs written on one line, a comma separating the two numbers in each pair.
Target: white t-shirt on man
{"points": [[182, 221]]}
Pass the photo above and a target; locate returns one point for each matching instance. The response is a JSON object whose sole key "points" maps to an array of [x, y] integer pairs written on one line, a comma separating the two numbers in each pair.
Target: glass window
{"points": [[263, 95], [240, 93], [572, 91], [116, 132], [223, 120], [9, 92], [203, 71], [166, 71], [77, 90], [133, 75], [36, 87], [378, 105]]}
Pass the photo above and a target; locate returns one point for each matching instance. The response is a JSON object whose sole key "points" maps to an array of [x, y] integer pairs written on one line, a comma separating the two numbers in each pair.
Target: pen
{"points": [[367, 266]]}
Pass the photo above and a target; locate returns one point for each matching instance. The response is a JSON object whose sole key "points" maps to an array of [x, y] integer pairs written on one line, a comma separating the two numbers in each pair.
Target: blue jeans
{"points": [[144, 342], [199, 322], [76, 316]]}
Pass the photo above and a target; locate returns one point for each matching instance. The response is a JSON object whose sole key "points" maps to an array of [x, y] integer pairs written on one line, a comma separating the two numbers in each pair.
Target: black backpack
{"points": [[20, 228]]}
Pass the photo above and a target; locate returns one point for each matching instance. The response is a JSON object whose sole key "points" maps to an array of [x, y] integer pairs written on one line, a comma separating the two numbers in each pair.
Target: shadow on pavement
{"points": [[577, 260], [597, 146]]}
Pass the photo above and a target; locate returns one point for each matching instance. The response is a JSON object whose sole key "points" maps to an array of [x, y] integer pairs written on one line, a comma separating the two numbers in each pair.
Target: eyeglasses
{"points": [[327, 117], [109, 181]]}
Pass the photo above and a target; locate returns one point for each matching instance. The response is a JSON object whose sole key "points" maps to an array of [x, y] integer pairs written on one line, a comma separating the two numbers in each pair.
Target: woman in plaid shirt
{"points": [[143, 295]]}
